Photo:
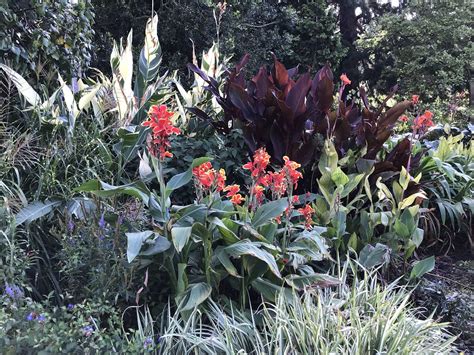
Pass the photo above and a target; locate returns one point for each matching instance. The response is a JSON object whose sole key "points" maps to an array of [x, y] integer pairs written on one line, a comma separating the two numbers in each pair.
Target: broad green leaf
{"points": [[417, 237], [404, 179], [247, 247], [329, 159], [182, 278], [70, 103], [410, 200], [22, 86], [271, 291], [228, 235], [422, 267], [339, 177], [34, 211], [371, 256], [121, 61], [180, 236], [135, 242], [195, 295], [159, 245], [401, 229], [100, 188], [226, 262], [87, 97], [268, 211]]}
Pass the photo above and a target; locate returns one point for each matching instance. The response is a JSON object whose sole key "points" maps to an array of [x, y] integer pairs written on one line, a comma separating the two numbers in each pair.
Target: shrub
{"points": [[448, 178]]}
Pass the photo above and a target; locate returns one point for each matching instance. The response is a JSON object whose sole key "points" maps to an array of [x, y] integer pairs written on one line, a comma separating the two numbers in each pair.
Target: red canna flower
{"points": [[345, 80], [232, 190], [237, 199], [278, 183], [415, 99], [161, 130], [258, 193], [296, 199], [208, 179], [257, 167], [404, 118], [221, 178], [307, 211]]}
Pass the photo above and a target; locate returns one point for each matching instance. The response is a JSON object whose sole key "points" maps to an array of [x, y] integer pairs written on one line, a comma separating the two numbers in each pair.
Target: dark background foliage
{"points": [[42, 37]]}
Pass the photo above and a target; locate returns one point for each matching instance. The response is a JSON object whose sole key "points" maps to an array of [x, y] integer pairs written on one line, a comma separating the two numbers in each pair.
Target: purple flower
{"points": [[70, 307], [13, 291], [74, 85], [70, 225], [102, 221], [41, 318], [87, 330], [148, 342], [31, 316]]}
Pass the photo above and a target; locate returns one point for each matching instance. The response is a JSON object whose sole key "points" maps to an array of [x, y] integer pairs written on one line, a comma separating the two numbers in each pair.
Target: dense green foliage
{"points": [[47, 37], [427, 49]]}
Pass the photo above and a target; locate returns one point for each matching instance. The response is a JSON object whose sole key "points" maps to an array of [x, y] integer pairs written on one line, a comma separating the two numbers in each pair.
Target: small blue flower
{"points": [[87, 330], [41, 318], [148, 343], [102, 223], [31, 316], [70, 307], [13, 291]]}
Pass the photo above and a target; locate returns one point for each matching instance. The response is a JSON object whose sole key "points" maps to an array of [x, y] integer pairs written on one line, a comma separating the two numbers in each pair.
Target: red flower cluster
{"points": [[232, 192], [208, 179], [414, 99], [424, 121], [404, 118], [307, 211], [291, 173], [345, 80], [162, 129], [257, 167]]}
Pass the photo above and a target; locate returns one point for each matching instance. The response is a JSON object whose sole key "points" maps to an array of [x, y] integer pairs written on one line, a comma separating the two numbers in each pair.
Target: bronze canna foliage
{"points": [[284, 111]]}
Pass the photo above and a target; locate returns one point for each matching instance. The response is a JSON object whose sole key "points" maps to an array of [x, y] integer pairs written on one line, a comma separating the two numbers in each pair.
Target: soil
{"points": [[448, 291]]}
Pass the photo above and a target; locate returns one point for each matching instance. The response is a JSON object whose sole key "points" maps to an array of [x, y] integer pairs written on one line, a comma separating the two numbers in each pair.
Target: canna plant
{"points": [[285, 114], [247, 244]]}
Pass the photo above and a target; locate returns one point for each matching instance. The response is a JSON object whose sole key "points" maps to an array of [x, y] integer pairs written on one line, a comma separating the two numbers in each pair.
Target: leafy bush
{"points": [[355, 318], [31, 327], [448, 173], [47, 37], [283, 115], [427, 48]]}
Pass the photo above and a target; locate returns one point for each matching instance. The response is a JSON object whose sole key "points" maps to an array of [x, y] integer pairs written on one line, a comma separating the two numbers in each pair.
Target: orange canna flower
{"points": [[237, 199], [307, 211], [208, 178], [345, 80], [424, 121], [292, 175]]}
